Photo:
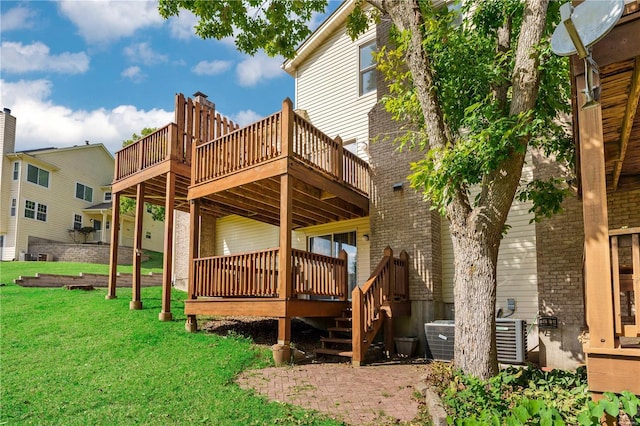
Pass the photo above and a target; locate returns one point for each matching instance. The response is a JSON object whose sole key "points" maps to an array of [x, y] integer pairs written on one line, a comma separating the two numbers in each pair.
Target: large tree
{"points": [[474, 96]]}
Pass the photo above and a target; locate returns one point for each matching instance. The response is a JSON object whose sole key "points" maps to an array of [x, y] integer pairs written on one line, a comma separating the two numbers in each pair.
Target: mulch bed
{"points": [[264, 331]]}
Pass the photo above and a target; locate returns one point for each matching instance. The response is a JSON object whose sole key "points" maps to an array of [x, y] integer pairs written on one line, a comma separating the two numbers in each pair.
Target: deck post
{"points": [[136, 302], [390, 283], [389, 341], [194, 237], [113, 248], [287, 127], [597, 267], [340, 160], [344, 275], [404, 256], [357, 321], [284, 255], [167, 262]]}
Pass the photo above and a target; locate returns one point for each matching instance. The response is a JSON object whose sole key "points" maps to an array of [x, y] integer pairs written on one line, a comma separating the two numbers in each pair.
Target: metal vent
{"points": [[511, 340]]}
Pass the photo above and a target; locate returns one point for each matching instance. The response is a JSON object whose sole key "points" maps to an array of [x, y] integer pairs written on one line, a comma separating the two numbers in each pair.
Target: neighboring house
{"points": [[48, 194]]}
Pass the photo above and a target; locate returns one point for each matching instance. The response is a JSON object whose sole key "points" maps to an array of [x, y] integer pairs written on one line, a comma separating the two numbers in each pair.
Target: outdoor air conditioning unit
{"points": [[511, 340], [440, 340]]}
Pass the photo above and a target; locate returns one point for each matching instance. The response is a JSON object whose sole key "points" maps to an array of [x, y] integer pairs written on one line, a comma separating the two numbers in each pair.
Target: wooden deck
{"points": [[608, 141]]}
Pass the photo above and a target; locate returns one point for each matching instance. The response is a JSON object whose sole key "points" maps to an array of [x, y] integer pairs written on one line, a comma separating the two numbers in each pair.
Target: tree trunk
{"points": [[474, 293]]}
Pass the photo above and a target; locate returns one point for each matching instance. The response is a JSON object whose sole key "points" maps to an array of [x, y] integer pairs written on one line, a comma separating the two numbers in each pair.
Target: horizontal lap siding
{"points": [[235, 234], [327, 88]]}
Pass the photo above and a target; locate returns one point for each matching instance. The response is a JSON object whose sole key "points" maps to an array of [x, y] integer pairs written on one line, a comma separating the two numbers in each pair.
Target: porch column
{"points": [[167, 266], [597, 268], [113, 248], [136, 303], [103, 234], [194, 238], [284, 260]]}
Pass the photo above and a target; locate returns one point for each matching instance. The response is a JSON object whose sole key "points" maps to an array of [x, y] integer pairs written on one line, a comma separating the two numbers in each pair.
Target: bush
{"points": [[530, 396]]}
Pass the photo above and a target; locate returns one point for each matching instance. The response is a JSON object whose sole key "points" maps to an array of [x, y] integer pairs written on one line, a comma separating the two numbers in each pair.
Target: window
{"points": [[332, 244], [107, 196], [148, 235], [13, 206], [16, 170], [33, 210], [77, 221], [149, 208], [37, 175], [42, 213], [367, 68], [84, 192]]}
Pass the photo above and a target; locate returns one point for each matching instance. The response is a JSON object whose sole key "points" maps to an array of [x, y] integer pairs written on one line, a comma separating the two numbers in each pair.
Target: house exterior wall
{"points": [[89, 165], [560, 259], [7, 144], [327, 87]]}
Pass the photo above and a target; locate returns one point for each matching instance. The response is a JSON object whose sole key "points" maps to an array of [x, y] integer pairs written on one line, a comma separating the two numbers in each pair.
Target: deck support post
{"points": [[194, 248], [167, 267], [389, 341], [597, 267], [136, 302], [357, 319], [284, 331], [113, 248]]}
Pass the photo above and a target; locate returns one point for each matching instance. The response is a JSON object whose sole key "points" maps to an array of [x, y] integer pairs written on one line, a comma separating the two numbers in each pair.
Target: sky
{"points": [[98, 71]]}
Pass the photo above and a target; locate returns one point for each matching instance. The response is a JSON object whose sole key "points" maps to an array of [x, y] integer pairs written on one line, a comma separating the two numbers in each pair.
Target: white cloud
{"points": [[19, 58], [134, 74], [43, 123], [18, 18], [102, 21], [211, 68], [256, 69], [143, 53], [245, 117], [181, 26]]}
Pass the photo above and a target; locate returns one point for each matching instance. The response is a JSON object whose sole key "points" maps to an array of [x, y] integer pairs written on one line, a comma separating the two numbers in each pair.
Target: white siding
{"points": [[327, 88], [235, 234]]}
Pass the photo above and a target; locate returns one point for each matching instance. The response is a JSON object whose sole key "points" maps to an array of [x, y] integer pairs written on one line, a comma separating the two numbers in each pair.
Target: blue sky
{"points": [[100, 70]]}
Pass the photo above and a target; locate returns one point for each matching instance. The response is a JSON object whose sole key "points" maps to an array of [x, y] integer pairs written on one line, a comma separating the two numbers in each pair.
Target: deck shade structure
{"points": [[607, 137]]}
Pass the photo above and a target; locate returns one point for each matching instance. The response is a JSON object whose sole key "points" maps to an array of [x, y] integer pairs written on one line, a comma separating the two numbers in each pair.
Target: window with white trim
{"points": [[16, 170], [107, 196], [84, 192], [33, 210], [367, 68], [77, 221], [148, 235], [37, 175], [41, 213], [14, 204]]}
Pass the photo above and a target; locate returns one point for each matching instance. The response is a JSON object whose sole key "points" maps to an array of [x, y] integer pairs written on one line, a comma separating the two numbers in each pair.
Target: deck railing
{"points": [[196, 122], [148, 151], [252, 274], [318, 275], [263, 141], [255, 274], [625, 273], [388, 283]]}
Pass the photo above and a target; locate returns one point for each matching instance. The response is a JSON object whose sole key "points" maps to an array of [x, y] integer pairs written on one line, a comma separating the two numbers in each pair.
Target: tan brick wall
{"points": [[401, 218]]}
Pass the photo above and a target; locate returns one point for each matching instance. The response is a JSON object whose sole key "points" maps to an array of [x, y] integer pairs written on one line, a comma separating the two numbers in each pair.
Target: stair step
{"points": [[341, 329], [335, 340], [335, 352], [343, 319]]}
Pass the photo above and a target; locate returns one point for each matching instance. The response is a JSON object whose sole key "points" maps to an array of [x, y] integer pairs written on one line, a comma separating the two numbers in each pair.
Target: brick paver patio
{"points": [[368, 395]]}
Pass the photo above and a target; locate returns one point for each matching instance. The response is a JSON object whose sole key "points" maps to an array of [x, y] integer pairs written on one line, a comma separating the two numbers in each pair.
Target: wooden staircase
{"points": [[340, 340]]}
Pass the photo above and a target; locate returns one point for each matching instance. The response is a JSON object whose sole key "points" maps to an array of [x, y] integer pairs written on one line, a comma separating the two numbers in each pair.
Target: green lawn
{"points": [[74, 358]]}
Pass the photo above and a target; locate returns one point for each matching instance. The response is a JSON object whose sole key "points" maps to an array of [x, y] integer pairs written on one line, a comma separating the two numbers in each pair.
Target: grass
{"points": [[74, 358]]}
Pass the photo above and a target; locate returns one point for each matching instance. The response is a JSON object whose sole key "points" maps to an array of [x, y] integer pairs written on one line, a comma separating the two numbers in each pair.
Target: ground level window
{"points": [[148, 235], [332, 244], [77, 221]]}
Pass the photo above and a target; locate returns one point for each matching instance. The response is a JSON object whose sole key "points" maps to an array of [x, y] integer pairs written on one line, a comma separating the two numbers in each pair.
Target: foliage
{"points": [[135, 137], [84, 231], [128, 205], [73, 358], [519, 396], [467, 73], [277, 26]]}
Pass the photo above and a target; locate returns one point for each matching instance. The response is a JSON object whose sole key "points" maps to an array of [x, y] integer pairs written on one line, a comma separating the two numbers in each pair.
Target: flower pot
{"points": [[281, 354], [406, 346]]}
